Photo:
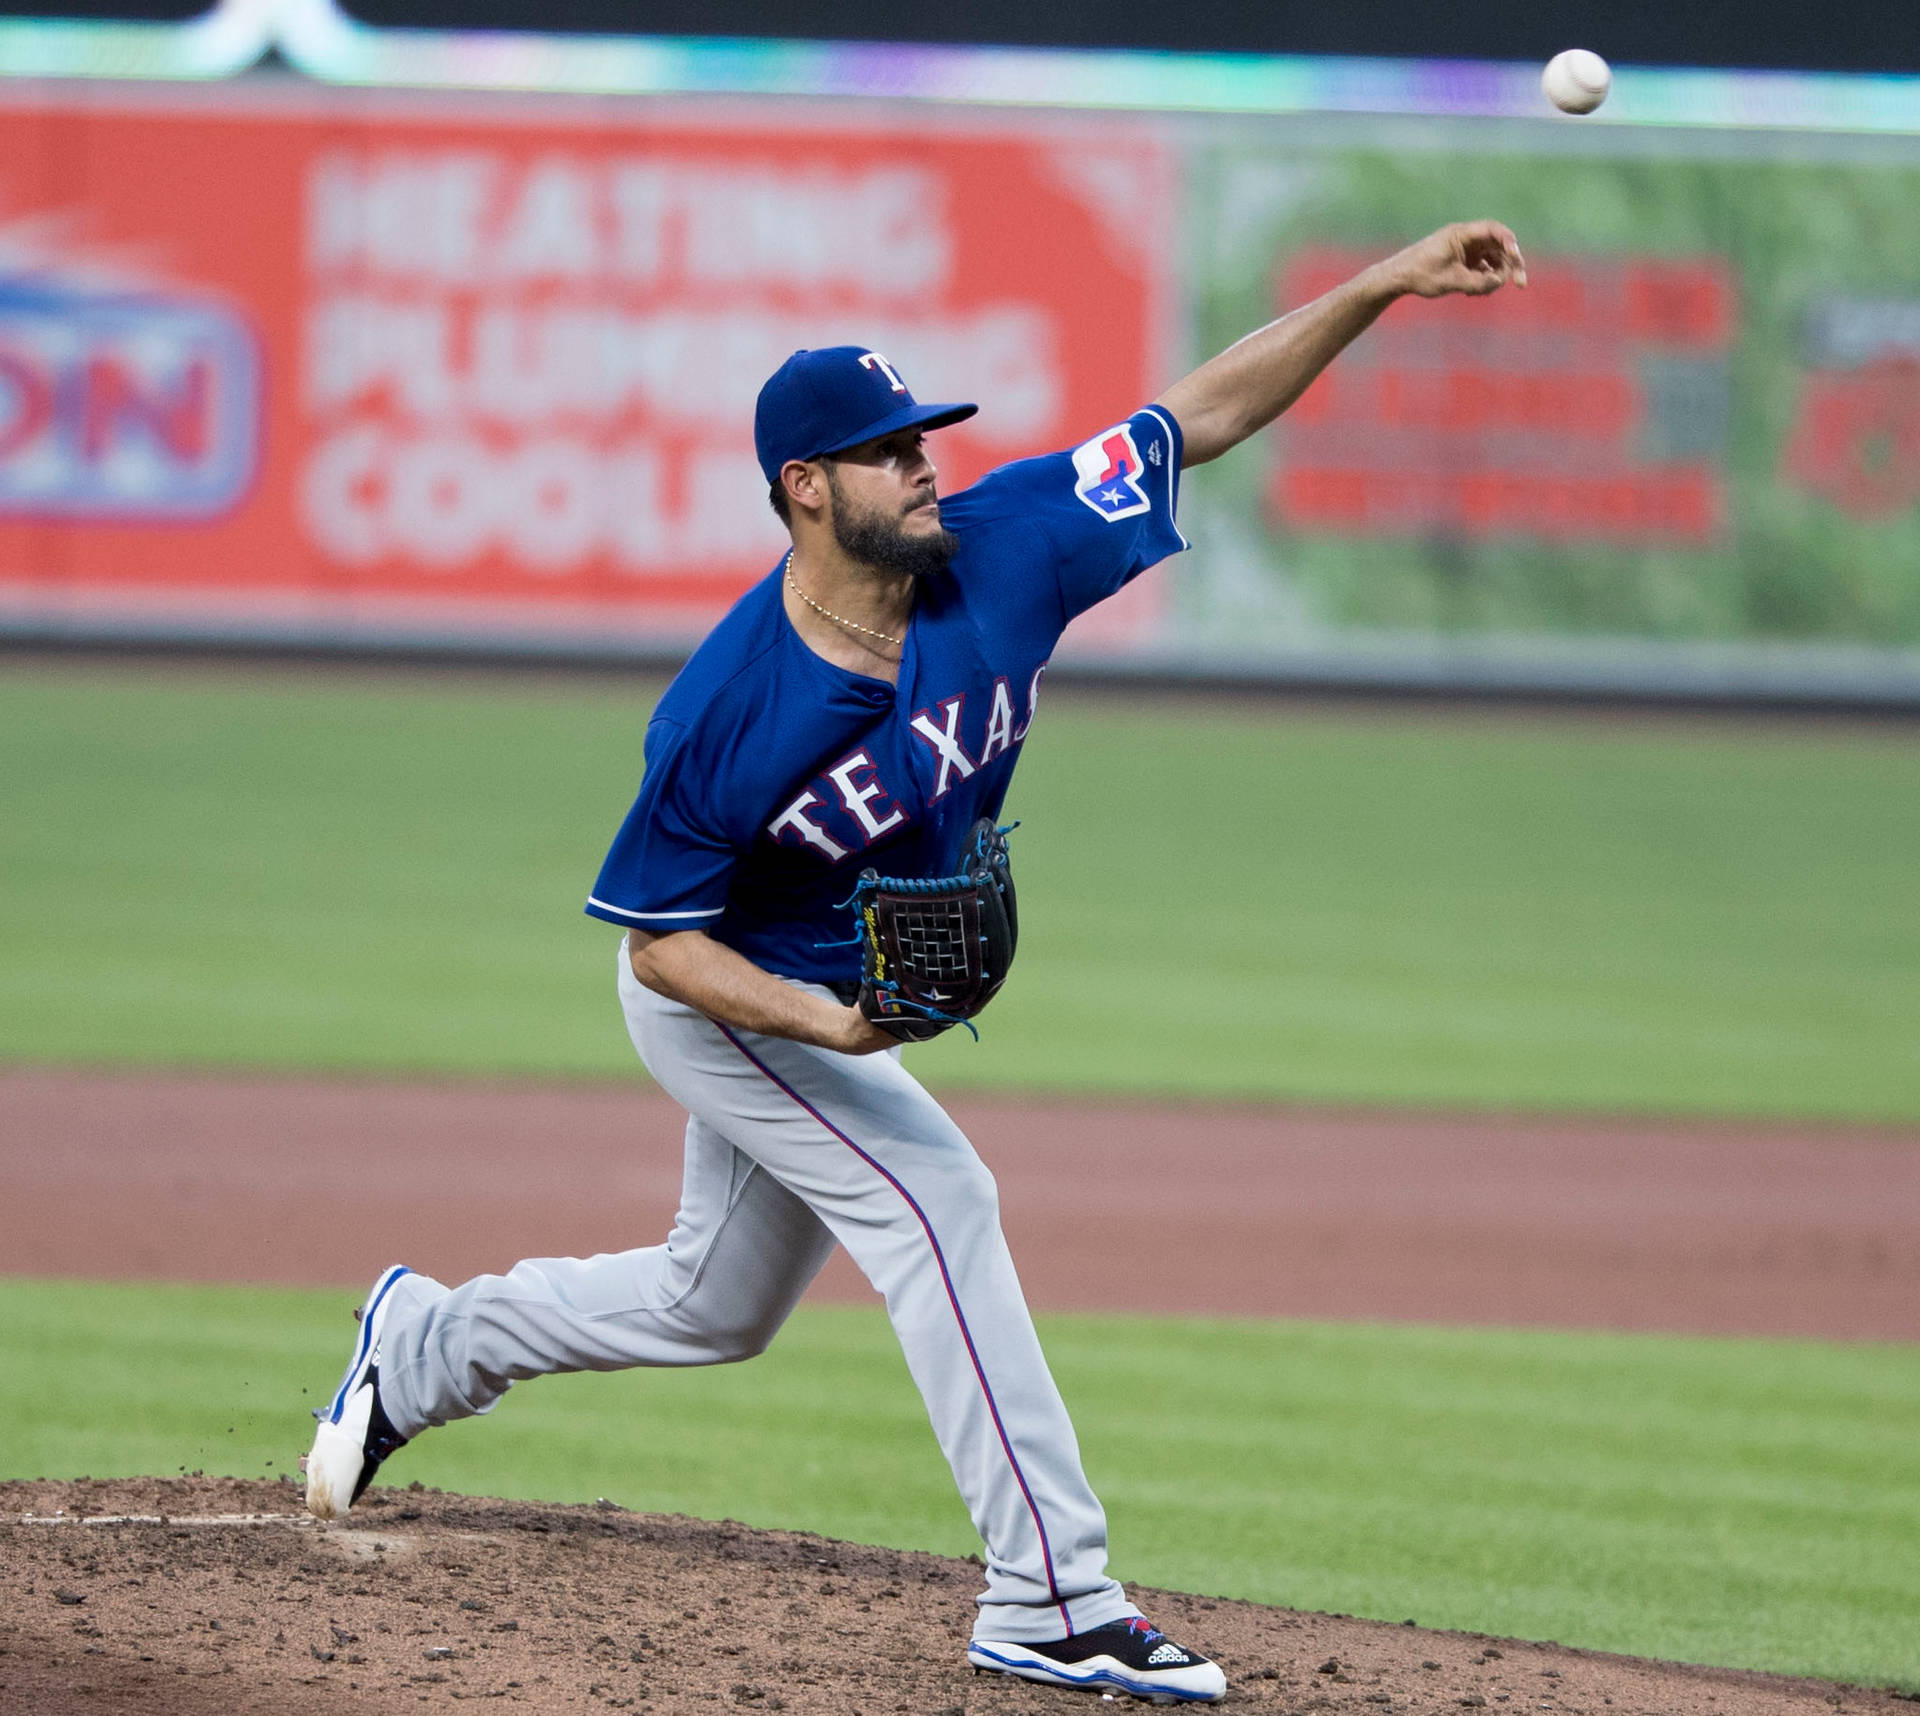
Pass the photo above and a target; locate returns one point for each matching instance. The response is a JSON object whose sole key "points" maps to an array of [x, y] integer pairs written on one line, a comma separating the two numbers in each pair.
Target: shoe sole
{"points": [[1095, 1673], [334, 1462]]}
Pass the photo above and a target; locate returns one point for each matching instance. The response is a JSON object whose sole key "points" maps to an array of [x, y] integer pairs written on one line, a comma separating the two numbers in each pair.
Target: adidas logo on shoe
{"points": [[1130, 1655]]}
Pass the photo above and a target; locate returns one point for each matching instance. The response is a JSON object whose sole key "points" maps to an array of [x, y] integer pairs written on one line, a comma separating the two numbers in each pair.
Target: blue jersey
{"points": [[773, 777]]}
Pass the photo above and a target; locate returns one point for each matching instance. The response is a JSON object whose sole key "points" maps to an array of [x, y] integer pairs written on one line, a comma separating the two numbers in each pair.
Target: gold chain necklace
{"points": [[828, 613]]}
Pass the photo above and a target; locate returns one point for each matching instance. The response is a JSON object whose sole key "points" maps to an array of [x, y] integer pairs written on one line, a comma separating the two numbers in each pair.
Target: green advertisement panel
{"points": [[1688, 452]]}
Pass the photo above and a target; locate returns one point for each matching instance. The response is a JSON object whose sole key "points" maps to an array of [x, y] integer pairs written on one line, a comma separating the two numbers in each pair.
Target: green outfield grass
{"points": [[381, 873], [1750, 1503]]}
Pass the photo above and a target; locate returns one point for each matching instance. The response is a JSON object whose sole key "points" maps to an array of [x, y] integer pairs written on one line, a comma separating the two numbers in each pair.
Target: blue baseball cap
{"points": [[828, 400]]}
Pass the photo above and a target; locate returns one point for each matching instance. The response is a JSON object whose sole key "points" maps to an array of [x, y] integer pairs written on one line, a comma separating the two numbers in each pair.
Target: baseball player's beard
{"points": [[879, 542]]}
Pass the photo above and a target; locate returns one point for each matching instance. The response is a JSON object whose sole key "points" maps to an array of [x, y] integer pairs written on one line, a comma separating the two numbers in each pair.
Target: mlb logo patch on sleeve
{"points": [[1107, 473]]}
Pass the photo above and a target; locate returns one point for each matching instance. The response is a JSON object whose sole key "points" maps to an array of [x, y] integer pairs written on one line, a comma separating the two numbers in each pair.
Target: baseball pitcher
{"points": [[814, 872]]}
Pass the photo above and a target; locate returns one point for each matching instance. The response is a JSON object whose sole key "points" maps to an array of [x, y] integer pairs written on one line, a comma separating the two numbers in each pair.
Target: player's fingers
{"points": [[1476, 282], [1482, 265], [1516, 263], [1498, 231], [1478, 239]]}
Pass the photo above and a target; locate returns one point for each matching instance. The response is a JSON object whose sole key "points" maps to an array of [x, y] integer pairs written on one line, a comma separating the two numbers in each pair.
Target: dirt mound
{"points": [[216, 1597]]}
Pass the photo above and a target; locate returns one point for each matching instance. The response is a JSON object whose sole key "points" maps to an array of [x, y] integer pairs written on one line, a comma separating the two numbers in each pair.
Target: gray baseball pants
{"points": [[789, 1150]]}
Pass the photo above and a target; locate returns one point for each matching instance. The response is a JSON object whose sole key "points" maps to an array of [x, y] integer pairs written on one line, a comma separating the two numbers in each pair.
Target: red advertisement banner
{"points": [[328, 358], [1590, 408]]}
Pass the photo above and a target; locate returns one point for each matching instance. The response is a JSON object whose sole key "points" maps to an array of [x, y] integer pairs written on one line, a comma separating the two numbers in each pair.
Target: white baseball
{"points": [[1576, 81]]}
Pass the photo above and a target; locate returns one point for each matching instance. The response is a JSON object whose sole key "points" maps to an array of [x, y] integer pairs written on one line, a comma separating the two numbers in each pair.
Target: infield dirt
{"points": [[215, 1597], [1219, 1209]]}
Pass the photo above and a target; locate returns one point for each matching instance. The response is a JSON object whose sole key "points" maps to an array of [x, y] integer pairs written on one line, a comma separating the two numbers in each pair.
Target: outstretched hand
{"points": [[1474, 256]]}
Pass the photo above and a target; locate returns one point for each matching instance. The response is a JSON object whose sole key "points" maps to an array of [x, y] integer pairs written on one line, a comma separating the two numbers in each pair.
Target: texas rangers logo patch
{"points": [[1108, 470]]}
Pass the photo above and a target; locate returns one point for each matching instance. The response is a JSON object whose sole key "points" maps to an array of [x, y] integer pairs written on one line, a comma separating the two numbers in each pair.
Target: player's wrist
{"points": [[853, 1033], [1385, 281], [832, 1024]]}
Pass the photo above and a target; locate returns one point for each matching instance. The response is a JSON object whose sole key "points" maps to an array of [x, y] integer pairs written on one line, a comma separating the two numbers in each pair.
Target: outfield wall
{"points": [[287, 363]]}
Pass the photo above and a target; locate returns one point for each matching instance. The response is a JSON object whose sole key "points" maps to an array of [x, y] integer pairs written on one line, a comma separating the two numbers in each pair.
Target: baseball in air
{"points": [[1577, 81]]}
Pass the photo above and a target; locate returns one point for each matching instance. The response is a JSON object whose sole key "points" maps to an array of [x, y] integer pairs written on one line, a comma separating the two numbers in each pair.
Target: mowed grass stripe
{"points": [[379, 873], [1747, 1503]]}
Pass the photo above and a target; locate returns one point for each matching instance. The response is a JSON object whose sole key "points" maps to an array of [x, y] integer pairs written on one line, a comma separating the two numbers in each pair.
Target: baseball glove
{"points": [[933, 953]]}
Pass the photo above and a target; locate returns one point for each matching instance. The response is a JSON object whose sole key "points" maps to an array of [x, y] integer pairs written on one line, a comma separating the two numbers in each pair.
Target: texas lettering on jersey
{"points": [[867, 810]]}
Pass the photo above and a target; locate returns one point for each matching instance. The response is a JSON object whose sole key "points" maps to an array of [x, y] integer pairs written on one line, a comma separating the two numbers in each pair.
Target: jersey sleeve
{"points": [[671, 863], [1106, 508]]}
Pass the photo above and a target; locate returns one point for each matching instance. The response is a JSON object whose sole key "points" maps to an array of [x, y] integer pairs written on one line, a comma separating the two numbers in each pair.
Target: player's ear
{"points": [[805, 484]]}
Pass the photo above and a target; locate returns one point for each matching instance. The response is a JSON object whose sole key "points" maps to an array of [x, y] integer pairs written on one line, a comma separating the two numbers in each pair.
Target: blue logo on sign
{"points": [[123, 405]]}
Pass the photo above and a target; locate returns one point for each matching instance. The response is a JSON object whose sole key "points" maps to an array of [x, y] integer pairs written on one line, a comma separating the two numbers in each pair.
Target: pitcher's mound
{"points": [[217, 1597]]}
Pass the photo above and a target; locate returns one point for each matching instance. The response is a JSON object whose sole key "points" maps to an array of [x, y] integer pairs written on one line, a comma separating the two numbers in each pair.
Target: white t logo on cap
{"points": [[873, 360]]}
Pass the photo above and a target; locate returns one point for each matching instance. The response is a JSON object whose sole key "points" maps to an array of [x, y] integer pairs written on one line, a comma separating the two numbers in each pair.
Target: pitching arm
{"points": [[1248, 385]]}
